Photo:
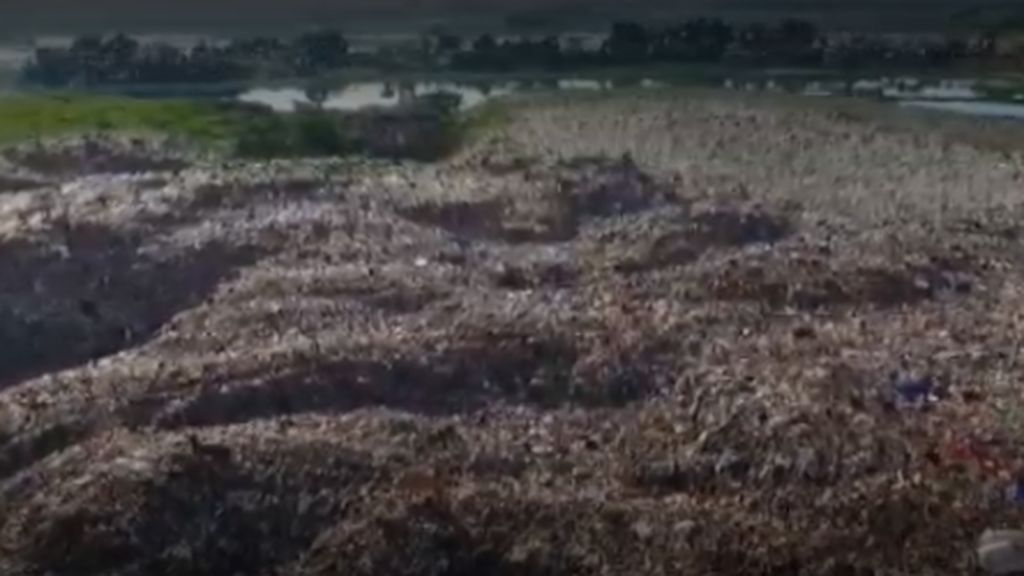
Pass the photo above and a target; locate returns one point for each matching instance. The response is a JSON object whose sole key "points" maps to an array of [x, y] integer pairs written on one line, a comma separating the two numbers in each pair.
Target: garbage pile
{"points": [[98, 154], [574, 367]]}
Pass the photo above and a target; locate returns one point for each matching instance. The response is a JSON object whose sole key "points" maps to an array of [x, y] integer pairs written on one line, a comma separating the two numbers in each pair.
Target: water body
{"points": [[971, 107], [363, 95], [965, 96]]}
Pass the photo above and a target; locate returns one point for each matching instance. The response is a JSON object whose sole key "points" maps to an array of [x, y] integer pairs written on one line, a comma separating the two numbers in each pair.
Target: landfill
{"points": [[620, 336]]}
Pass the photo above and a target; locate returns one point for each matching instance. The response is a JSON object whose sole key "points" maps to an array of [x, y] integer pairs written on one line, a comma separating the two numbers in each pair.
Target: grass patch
{"points": [[483, 120], [40, 116], [486, 117]]}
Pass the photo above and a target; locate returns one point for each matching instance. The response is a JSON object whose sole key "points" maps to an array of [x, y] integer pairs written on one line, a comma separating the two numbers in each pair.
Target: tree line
{"points": [[121, 59], [792, 42], [118, 59]]}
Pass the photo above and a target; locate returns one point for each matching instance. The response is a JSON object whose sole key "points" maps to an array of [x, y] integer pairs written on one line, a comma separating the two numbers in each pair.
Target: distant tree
{"points": [[320, 50], [576, 54], [628, 42], [206, 63], [796, 42], [856, 52], [486, 54], [54, 67], [317, 94], [87, 51], [88, 44], [672, 44], [447, 43], [984, 46], [439, 46], [442, 41], [259, 48], [159, 63], [121, 50], [485, 44], [708, 38], [525, 53], [694, 40], [753, 43], [799, 33]]}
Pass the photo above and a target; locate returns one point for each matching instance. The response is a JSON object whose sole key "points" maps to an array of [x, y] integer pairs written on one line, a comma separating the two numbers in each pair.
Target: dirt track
{"points": [[626, 337]]}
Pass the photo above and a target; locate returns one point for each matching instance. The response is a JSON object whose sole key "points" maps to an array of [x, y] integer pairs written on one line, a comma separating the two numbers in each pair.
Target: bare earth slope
{"points": [[670, 335]]}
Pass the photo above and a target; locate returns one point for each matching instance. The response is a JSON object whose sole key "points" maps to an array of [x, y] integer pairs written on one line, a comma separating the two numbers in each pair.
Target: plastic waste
{"points": [[916, 390], [1015, 492], [1001, 551]]}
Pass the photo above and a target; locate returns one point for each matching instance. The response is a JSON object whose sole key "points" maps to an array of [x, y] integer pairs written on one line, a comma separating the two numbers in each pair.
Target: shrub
{"points": [[318, 133], [265, 136]]}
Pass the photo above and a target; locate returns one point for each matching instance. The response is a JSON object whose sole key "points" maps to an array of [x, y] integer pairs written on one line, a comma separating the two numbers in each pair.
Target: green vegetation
{"points": [[307, 133], [124, 61], [39, 116], [427, 130], [484, 119]]}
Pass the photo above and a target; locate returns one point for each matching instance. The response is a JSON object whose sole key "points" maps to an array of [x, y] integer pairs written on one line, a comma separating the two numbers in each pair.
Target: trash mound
{"points": [[395, 298], [242, 192], [732, 228], [812, 283], [440, 537], [94, 155], [12, 183], [187, 504], [604, 189], [687, 236], [450, 376], [552, 221], [534, 274], [433, 530], [566, 368], [567, 198], [307, 500], [91, 292]]}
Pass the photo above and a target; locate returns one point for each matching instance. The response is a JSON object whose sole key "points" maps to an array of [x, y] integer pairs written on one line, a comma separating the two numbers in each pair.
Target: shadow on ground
{"points": [[545, 372], [94, 293]]}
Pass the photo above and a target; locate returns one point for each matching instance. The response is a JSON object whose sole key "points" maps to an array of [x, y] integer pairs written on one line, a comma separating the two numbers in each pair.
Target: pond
{"points": [[361, 95], [956, 95]]}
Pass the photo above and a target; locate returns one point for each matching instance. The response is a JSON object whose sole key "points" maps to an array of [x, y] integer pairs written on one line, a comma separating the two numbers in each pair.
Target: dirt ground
{"points": [[658, 335]]}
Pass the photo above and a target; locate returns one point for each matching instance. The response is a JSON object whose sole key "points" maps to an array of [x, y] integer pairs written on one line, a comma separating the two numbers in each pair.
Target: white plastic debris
{"points": [[1001, 551]]}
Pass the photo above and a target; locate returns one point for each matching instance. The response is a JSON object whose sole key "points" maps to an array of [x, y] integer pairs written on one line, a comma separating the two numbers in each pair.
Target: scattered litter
{"points": [[1001, 552], [1015, 492], [916, 391]]}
